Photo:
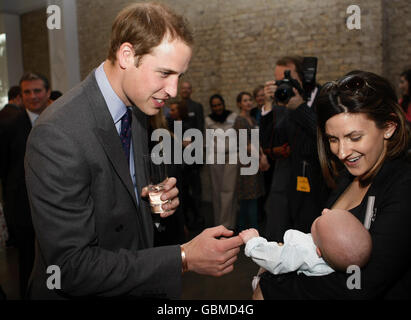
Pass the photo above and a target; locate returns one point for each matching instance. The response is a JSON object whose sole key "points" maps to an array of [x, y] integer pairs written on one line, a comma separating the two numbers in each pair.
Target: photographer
{"points": [[288, 136]]}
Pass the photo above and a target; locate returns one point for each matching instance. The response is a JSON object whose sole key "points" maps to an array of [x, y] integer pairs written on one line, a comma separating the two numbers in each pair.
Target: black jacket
{"points": [[299, 129], [388, 272], [15, 127]]}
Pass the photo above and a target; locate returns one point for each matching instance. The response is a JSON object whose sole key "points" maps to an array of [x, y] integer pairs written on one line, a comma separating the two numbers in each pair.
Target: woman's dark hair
{"points": [[218, 96], [407, 97], [359, 92]]}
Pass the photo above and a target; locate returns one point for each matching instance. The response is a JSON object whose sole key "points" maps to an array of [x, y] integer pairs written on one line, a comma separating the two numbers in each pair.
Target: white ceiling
{"points": [[21, 6]]}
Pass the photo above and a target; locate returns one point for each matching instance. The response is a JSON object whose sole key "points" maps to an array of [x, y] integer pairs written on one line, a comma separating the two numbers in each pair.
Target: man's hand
{"points": [[269, 90], [282, 151], [208, 255], [170, 195], [295, 101], [264, 165]]}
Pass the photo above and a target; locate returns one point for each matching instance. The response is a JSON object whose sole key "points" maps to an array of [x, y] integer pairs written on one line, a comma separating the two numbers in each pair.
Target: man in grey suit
{"points": [[87, 189]]}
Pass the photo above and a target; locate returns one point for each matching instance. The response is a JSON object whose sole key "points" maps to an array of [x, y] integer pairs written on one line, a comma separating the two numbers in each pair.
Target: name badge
{"points": [[303, 184]]}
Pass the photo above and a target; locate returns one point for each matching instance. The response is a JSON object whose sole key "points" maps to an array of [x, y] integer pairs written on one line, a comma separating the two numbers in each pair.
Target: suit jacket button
{"points": [[119, 228]]}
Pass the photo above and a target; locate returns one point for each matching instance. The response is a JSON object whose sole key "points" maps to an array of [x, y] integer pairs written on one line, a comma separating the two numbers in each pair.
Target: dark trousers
{"points": [[11, 228], [191, 195], [2, 294], [25, 245], [268, 176], [248, 215]]}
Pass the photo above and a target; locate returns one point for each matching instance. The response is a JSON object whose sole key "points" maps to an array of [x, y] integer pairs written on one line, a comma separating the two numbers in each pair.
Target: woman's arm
{"points": [[389, 262]]}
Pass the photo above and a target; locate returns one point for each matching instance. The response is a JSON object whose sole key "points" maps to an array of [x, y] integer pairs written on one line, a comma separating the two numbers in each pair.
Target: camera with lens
{"points": [[285, 87]]}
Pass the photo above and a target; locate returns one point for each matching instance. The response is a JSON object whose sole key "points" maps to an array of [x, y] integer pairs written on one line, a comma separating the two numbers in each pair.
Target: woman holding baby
{"points": [[362, 138]]}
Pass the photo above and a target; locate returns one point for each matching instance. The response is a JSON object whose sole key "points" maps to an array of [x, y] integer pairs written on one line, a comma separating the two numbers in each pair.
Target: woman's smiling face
{"points": [[357, 142]]}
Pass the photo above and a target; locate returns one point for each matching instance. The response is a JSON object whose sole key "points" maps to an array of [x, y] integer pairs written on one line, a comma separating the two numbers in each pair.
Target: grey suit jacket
{"points": [[84, 210]]}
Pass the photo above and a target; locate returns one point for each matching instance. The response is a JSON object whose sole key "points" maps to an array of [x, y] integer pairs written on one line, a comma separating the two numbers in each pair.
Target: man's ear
{"points": [[125, 55]]}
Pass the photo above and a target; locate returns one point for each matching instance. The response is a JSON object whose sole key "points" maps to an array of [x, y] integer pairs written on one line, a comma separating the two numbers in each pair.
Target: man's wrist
{"points": [[184, 265]]}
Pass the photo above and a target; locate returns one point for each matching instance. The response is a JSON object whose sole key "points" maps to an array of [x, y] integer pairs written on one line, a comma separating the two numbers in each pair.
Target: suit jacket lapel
{"points": [[107, 134], [140, 148]]}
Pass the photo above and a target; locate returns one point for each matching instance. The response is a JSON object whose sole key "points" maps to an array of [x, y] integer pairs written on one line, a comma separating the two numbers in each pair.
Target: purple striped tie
{"points": [[125, 133]]}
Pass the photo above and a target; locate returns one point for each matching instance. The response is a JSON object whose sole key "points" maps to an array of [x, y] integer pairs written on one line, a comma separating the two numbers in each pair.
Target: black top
{"points": [[388, 272]]}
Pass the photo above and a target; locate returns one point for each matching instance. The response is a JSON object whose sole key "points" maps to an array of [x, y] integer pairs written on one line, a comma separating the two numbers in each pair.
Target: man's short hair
{"points": [[14, 92], [144, 26], [31, 76], [295, 60], [257, 90], [55, 94]]}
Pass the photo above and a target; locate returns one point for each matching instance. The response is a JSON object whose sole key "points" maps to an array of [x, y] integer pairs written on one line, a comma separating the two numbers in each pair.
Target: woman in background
{"points": [[249, 187], [223, 176]]}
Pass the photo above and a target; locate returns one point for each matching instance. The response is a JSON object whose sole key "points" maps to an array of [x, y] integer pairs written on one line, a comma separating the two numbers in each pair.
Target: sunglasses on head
{"points": [[353, 84]]}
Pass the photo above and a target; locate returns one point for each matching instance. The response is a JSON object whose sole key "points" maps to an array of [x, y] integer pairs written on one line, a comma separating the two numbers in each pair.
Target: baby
{"points": [[337, 240]]}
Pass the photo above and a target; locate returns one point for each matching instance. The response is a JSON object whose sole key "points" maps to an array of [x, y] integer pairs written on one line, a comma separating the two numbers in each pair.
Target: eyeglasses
{"points": [[216, 105]]}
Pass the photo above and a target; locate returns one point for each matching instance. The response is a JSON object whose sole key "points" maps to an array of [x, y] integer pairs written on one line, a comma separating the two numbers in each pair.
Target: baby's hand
{"points": [[248, 234]]}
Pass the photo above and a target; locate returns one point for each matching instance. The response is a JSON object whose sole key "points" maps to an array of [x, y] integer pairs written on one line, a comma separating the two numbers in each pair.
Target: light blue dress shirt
{"points": [[117, 109], [32, 116]]}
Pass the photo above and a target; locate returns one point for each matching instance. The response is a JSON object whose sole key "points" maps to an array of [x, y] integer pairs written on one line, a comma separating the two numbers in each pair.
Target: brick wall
{"points": [[397, 38], [35, 46], [238, 41]]}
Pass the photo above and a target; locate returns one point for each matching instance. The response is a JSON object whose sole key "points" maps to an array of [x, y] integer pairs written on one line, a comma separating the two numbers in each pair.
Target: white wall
{"points": [[11, 61], [63, 47]]}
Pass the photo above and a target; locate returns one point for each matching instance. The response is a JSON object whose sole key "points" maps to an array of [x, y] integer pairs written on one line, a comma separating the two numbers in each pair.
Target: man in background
{"points": [[288, 130], [11, 109], [15, 99], [195, 109], [14, 131], [195, 119]]}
